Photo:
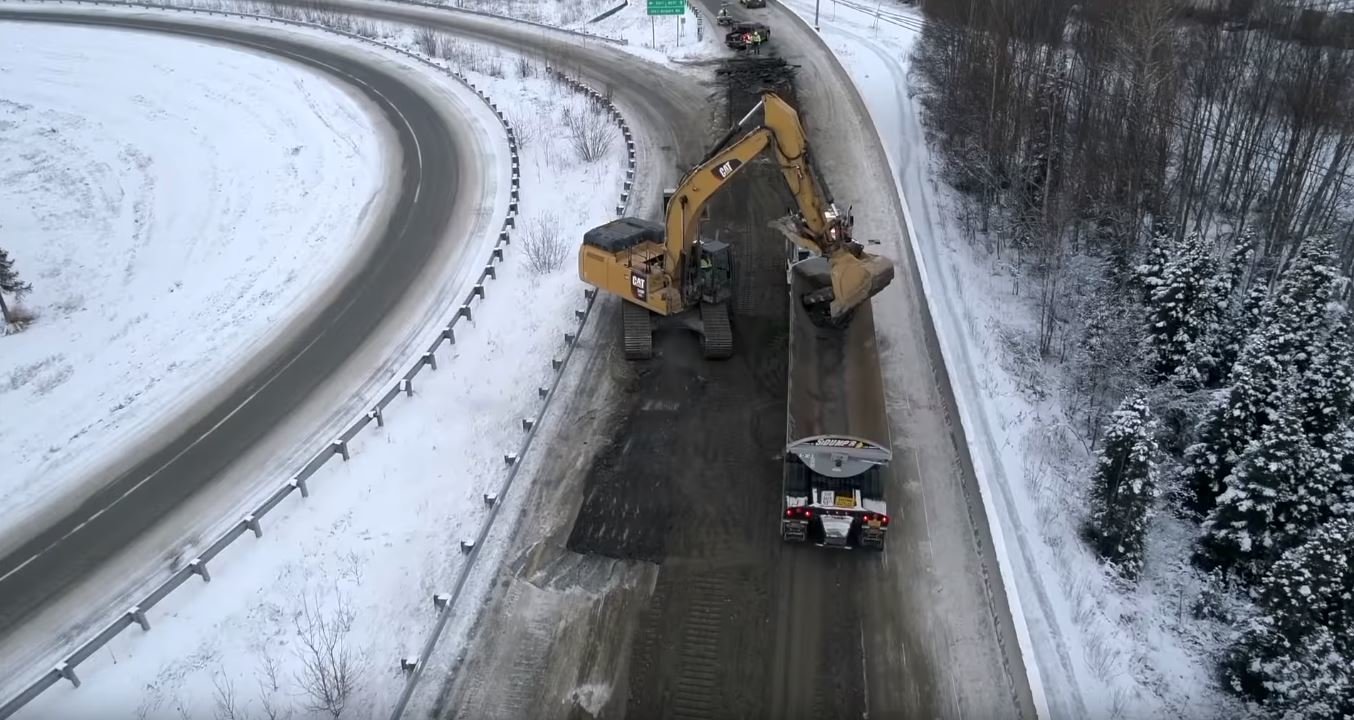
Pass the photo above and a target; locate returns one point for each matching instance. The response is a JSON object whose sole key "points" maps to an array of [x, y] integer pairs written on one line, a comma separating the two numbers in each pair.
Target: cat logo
{"points": [[725, 169], [639, 286]]}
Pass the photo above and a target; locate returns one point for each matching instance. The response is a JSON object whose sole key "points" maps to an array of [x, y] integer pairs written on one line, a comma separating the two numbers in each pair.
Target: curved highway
{"points": [[189, 459], [921, 634]]}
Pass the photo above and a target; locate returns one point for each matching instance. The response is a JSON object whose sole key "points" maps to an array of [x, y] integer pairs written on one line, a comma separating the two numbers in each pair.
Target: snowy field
{"points": [[172, 202], [675, 37], [1103, 649], [353, 568]]}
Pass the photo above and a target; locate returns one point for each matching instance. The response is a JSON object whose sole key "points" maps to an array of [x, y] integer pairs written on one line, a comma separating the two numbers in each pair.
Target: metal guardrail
{"points": [[251, 522], [445, 603]]}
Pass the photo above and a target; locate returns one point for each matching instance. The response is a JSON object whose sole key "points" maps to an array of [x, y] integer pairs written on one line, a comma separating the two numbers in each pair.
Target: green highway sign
{"points": [[667, 7]]}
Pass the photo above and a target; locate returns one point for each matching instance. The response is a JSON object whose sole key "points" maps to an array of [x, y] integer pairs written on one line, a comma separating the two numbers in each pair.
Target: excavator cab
{"points": [[713, 281]]}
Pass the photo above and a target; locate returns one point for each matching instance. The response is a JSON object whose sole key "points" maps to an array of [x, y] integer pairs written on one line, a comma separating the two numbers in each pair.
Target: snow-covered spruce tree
{"points": [[1293, 321], [10, 283], [1277, 491], [1232, 423], [1296, 656], [1180, 305], [1124, 486], [1227, 320], [1326, 390]]}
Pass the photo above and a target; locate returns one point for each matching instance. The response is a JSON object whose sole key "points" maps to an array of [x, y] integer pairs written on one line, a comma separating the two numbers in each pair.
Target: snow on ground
{"points": [[171, 202], [1103, 649], [359, 561], [672, 37]]}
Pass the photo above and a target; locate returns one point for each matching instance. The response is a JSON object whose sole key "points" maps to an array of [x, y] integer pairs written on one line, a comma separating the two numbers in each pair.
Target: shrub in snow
{"points": [[590, 132], [545, 250], [1296, 658], [1124, 486], [11, 283]]}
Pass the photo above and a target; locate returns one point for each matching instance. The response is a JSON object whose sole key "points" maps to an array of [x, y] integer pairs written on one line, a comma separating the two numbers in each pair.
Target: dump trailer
{"points": [[838, 444]]}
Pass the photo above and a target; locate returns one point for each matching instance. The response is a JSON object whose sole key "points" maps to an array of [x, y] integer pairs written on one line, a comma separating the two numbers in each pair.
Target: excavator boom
{"points": [[817, 227], [666, 270]]}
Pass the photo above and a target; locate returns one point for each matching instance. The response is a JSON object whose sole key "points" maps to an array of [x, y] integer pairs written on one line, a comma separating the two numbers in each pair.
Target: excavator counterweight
{"points": [[666, 272]]}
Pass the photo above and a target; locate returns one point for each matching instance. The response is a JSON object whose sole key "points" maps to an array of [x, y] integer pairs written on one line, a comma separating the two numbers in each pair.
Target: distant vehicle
{"points": [[747, 35], [724, 18], [752, 3]]}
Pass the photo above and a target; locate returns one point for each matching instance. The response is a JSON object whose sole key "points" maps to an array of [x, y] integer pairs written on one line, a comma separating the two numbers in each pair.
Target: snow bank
{"points": [[1102, 649], [380, 534], [171, 202]]}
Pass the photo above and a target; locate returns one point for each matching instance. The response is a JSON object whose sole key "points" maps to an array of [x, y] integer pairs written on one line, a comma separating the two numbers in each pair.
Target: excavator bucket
{"points": [[857, 279]]}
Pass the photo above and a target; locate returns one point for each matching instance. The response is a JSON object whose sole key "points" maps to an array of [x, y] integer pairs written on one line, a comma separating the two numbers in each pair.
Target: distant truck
{"points": [[838, 444], [747, 35]]}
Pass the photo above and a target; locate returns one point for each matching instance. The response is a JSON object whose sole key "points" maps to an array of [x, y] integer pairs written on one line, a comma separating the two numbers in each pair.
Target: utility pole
{"points": [[816, 3]]}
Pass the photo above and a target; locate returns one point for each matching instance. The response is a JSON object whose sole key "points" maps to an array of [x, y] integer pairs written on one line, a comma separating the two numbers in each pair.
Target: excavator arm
{"points": [[856, 276]]}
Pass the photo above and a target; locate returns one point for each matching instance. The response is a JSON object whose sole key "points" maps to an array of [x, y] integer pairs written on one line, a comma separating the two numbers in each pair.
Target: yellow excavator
{"points": [[666, 272]]}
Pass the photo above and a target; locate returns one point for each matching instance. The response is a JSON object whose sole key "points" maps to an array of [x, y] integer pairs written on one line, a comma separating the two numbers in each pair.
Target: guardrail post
{"points": [[527, 423], [588, 293], [252, 523], [450, 333], [490, 272], [138, 616], [569, 338], [68, 672], [440, 601], [467, 546], [509, 459], [503, 236], [497, 253], [407, 665], [300, 484], [478, 290], [378, 416], [490, 499], [556, 364], [340, 447], [465, 313], [407, 386], [542, 392], [429, 359], [199, 568]]}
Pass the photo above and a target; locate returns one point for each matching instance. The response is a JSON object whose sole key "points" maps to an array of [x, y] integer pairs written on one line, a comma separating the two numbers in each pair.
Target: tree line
{"points": [[1173, 179]]}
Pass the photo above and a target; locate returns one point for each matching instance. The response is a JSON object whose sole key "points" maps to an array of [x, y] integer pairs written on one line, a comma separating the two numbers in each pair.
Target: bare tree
{"points": [[227, 707], [590, 132], [330, 668], [429, 41], [545, 249]]}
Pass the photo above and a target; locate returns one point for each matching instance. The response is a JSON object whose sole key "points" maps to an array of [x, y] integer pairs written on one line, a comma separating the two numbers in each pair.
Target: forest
{"points": [[1169, 181]]}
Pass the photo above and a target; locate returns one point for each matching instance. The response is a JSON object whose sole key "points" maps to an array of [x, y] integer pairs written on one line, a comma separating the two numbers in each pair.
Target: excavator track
{"points": [[716, 332], [637, 329]]}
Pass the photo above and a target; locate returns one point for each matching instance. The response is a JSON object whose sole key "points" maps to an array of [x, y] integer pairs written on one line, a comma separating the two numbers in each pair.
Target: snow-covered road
{"points": [[173, 202], [379, 533]]}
